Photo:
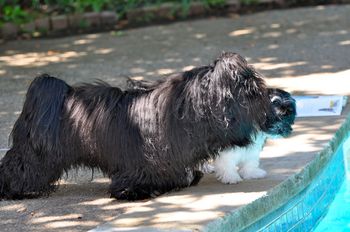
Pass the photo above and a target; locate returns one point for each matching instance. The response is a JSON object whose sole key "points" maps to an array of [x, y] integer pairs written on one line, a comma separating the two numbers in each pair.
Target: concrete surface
{"points": [[305, 51]]}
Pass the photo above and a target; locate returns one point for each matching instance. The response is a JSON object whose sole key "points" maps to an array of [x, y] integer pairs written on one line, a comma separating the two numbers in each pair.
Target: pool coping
{"points": [[244, 217]]}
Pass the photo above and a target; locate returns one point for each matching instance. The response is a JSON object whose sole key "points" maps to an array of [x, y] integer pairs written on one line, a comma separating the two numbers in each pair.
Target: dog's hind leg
{"points": [[36, 159], [149, 185], [24, 174]]}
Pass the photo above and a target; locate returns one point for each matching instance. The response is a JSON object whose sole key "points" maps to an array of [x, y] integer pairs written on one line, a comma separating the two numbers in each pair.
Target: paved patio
{"points": [[305, 51]]}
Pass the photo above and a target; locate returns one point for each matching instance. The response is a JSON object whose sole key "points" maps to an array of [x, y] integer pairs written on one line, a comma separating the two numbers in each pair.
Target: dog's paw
{"points": [[131, 194], [252, 173], [207, 168], [228, 177], [197, 176]]}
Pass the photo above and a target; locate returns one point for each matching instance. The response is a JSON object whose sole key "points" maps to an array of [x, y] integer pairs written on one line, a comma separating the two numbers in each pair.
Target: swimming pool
{"points": [[338, 216], [302, 201]]}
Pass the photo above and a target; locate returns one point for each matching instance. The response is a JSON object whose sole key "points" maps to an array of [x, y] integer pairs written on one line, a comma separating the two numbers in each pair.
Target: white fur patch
{"points": [[252, 173], [233, 164]]}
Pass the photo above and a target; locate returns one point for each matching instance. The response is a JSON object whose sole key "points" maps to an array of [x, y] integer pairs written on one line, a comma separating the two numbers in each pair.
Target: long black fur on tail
{"points": [[35, 160], [148, 140]]}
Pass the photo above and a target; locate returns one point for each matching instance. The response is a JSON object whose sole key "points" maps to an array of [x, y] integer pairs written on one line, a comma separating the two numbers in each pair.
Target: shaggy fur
{"points": [[233, 164], [148, 141]]}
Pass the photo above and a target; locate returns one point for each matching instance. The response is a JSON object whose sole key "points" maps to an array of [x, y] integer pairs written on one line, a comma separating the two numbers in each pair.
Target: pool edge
{"points": [[278, 196]]}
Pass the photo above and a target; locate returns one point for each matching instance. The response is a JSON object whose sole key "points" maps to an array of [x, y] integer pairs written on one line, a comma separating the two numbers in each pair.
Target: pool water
{"points": [[338, 215]]}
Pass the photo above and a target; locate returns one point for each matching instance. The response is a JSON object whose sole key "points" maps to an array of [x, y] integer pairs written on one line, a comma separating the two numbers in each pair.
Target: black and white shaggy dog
{"points": [[148, 141], [233, 164]]}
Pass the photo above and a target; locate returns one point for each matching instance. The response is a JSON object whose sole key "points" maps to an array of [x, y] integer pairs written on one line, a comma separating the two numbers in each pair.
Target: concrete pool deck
{"points": [[304, 51]]}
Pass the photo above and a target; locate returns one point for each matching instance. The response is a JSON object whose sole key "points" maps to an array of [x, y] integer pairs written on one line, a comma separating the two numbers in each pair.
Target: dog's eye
{"points": [[276, 100], [290, 110]]}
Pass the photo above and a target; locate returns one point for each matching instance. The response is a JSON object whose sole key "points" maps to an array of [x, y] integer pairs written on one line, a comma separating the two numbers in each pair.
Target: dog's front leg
{"points": [[131, 188], [226, 169]]}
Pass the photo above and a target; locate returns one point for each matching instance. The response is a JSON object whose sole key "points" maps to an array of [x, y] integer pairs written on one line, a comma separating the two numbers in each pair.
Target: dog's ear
{"points": [[234, 71], [240, 84]]}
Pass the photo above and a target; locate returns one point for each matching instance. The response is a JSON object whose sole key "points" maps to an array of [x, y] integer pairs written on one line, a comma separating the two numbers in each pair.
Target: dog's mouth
{"points": [[280, 130], [286, 132]]}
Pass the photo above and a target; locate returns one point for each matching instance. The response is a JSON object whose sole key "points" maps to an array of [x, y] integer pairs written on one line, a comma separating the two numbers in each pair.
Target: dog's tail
{"points": [[26, 169], [41, 114]]}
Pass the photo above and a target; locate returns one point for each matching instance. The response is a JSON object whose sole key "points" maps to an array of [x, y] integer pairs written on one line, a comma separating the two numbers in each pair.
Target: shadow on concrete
{"points": [[299, 50]]}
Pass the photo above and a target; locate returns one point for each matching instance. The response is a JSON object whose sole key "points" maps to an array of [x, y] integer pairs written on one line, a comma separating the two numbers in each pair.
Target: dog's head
{"points": [[284, 107]]}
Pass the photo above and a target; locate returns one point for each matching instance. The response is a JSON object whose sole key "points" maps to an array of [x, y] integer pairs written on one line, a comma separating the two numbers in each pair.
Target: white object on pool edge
{"points": [[311, 106]]}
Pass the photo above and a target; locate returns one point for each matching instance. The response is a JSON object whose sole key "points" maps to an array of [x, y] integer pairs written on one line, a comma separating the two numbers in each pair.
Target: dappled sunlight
{"points": [[266, 59], [113, 206], [241, 32], [310, 135], [200, 36], [187, 68], [284, 157], [37, 59], [102, 201], [321, 83], [185, 216], [64, 224], [93, 36], [291, 31], [165, 71], [3, 113], [137, 78], [47, 219], [195, 206], [327, 66], [134, 220], [82, 41], [183, 198], [15, 207], [59, 213], [272, 66], [273, 34], [332, 33], [306, 143], [345, 42], [275, 25], [289, 148], [172, 211], [273, 46], [103, 51]]}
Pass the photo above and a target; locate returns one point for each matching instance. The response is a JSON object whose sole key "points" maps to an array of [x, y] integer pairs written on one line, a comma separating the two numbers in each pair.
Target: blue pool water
{"points": [[338, 215], [303, 212]]}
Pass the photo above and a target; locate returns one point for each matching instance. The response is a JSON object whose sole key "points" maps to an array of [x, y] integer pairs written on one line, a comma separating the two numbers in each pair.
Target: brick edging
{"points": [[53, 25], [106, 20]]}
